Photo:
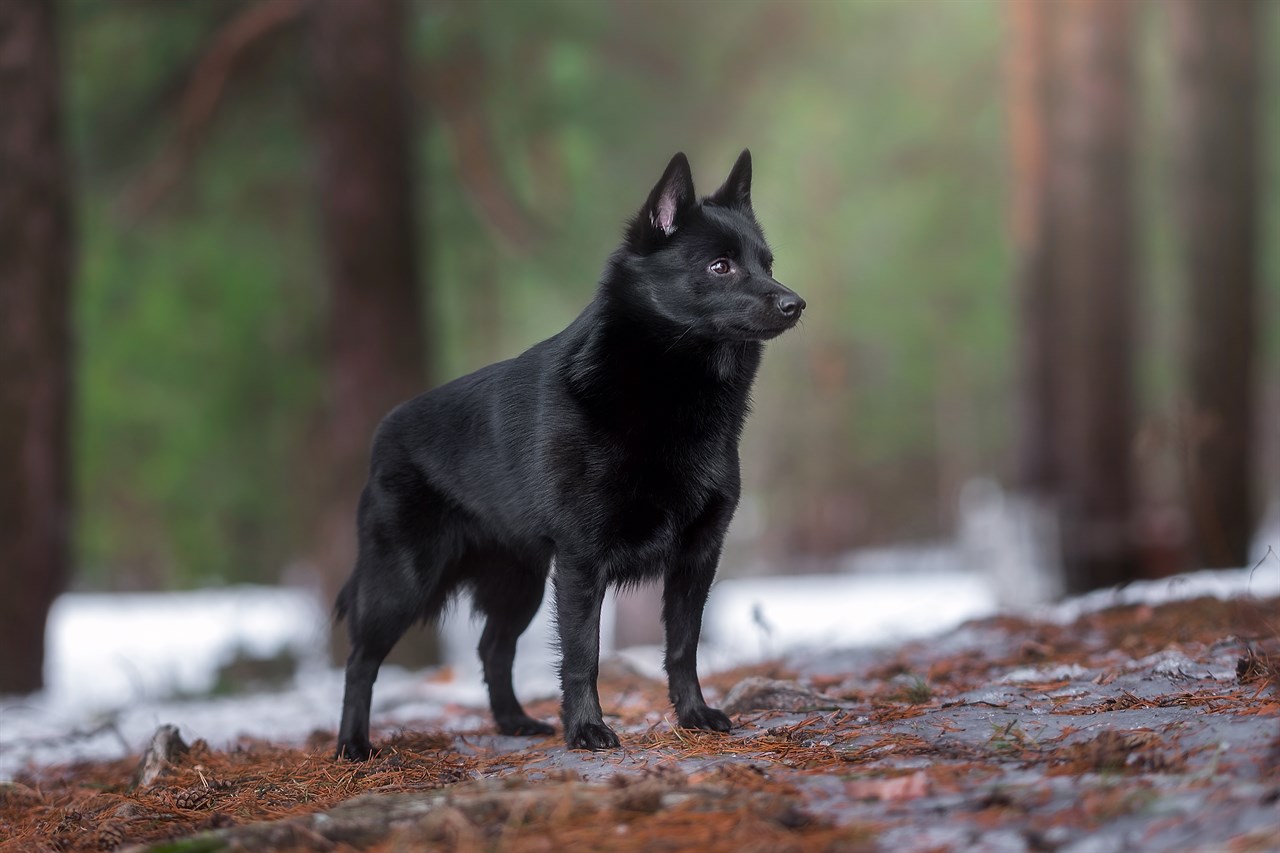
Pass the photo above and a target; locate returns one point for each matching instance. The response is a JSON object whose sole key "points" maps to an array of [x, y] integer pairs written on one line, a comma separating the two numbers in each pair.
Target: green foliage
{"points": [[198, 323], [1009, 739], [916, 691], [881, 176]]}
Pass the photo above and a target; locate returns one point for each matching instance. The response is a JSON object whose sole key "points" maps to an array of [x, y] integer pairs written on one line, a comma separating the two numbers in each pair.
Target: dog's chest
{"points": [[657, 488], [646, 482]]}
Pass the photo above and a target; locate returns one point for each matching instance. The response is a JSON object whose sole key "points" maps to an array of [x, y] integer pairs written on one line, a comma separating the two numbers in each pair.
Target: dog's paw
{"points": [[704, 717], [590, 736], [355, 749], [521, 724]]}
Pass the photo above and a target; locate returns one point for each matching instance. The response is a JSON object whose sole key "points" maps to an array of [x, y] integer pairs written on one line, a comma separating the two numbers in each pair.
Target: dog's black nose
{"points": [[790, 305]]}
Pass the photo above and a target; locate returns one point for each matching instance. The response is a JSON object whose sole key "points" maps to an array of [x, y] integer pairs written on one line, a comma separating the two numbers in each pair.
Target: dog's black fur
{"points": [[611, 447]]}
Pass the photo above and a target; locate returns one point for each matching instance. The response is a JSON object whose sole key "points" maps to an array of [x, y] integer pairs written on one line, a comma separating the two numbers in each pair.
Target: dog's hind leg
{"points": [[373, 634], [509, 597], [377, 617], [396, 577]]}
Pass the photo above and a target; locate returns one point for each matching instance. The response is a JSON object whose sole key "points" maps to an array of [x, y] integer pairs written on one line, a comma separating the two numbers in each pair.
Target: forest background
{"points": [[1014, 224]]}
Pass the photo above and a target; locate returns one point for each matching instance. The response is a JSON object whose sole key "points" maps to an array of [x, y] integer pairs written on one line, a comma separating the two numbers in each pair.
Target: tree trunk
{"points": [[1030, 99], [1216, 131], [35, 339], [1093, 265], [366, 180]]}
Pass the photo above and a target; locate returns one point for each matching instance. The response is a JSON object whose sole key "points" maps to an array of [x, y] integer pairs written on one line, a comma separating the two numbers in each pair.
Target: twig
{"points": [[200, 100], [456, 90]]}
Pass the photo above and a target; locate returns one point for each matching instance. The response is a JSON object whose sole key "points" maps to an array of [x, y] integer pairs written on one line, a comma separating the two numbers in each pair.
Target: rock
{"points": [[767, 694], [166, 745]]}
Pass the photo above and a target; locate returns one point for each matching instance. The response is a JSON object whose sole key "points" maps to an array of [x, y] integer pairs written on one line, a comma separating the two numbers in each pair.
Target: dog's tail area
{"points": [[346, 600], [345, 605]]}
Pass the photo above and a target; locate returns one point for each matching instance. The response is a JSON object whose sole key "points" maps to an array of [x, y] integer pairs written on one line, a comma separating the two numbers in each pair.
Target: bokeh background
{"points": [[1037, 241]]}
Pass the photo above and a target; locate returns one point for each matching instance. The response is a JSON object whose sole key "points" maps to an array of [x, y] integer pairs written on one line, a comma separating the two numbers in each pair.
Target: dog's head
{"points": [[704, 264]]}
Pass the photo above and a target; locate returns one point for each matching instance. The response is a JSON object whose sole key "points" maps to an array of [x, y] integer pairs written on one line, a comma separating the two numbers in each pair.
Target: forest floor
{"points": [[1132, 728]]}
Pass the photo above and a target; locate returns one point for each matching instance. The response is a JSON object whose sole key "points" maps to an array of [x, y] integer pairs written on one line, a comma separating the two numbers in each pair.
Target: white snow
{"points": [[1032, 674], [758, 618], [116, 662], [104, 651], [1260, 581]]}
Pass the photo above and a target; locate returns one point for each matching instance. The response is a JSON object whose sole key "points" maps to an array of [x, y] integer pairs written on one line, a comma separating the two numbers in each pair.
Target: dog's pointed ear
{"points": [[736, 190], [669, 203]]}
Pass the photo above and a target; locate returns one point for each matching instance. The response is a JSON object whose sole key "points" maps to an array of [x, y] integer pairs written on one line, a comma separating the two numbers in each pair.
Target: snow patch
{"points": [[753, 619], [108, 650], [1038, 674], [1260, 581], [116, 662]]}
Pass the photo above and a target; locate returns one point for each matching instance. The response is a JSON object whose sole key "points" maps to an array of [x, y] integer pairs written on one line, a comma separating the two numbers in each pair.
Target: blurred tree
{"points": [[366, 180], [36, 261], [1216, 140], [196, 226], [1030, 44], [202, 311], [1092, 224]]}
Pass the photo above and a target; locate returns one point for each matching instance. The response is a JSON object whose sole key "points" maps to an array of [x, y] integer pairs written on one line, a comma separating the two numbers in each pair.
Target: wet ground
{"points": [[1138, 727]]}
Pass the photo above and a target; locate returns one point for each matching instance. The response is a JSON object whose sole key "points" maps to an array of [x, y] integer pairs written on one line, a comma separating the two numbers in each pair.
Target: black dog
{"points": [[612, 448]]}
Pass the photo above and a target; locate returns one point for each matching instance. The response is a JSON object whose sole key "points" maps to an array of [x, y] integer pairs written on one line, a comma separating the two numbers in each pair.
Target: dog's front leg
{"points": [[683, 598], [688, 581], [579, 595]]}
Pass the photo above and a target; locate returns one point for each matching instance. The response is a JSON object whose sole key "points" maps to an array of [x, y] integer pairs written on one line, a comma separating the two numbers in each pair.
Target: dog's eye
{"points": [[720, 267]]}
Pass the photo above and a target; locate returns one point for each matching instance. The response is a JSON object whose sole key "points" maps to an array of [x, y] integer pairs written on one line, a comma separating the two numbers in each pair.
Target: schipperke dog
{"points": [[610, 449]]}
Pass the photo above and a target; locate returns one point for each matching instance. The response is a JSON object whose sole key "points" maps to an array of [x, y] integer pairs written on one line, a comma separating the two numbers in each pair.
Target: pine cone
{"points": [[210, 781], [191, 798]]}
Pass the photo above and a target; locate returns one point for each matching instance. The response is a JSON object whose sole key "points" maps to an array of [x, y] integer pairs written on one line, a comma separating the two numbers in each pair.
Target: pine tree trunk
{"points": [[1093, 265], [1030, 99], [36, 263], [370, 234], [1216, 141]]}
